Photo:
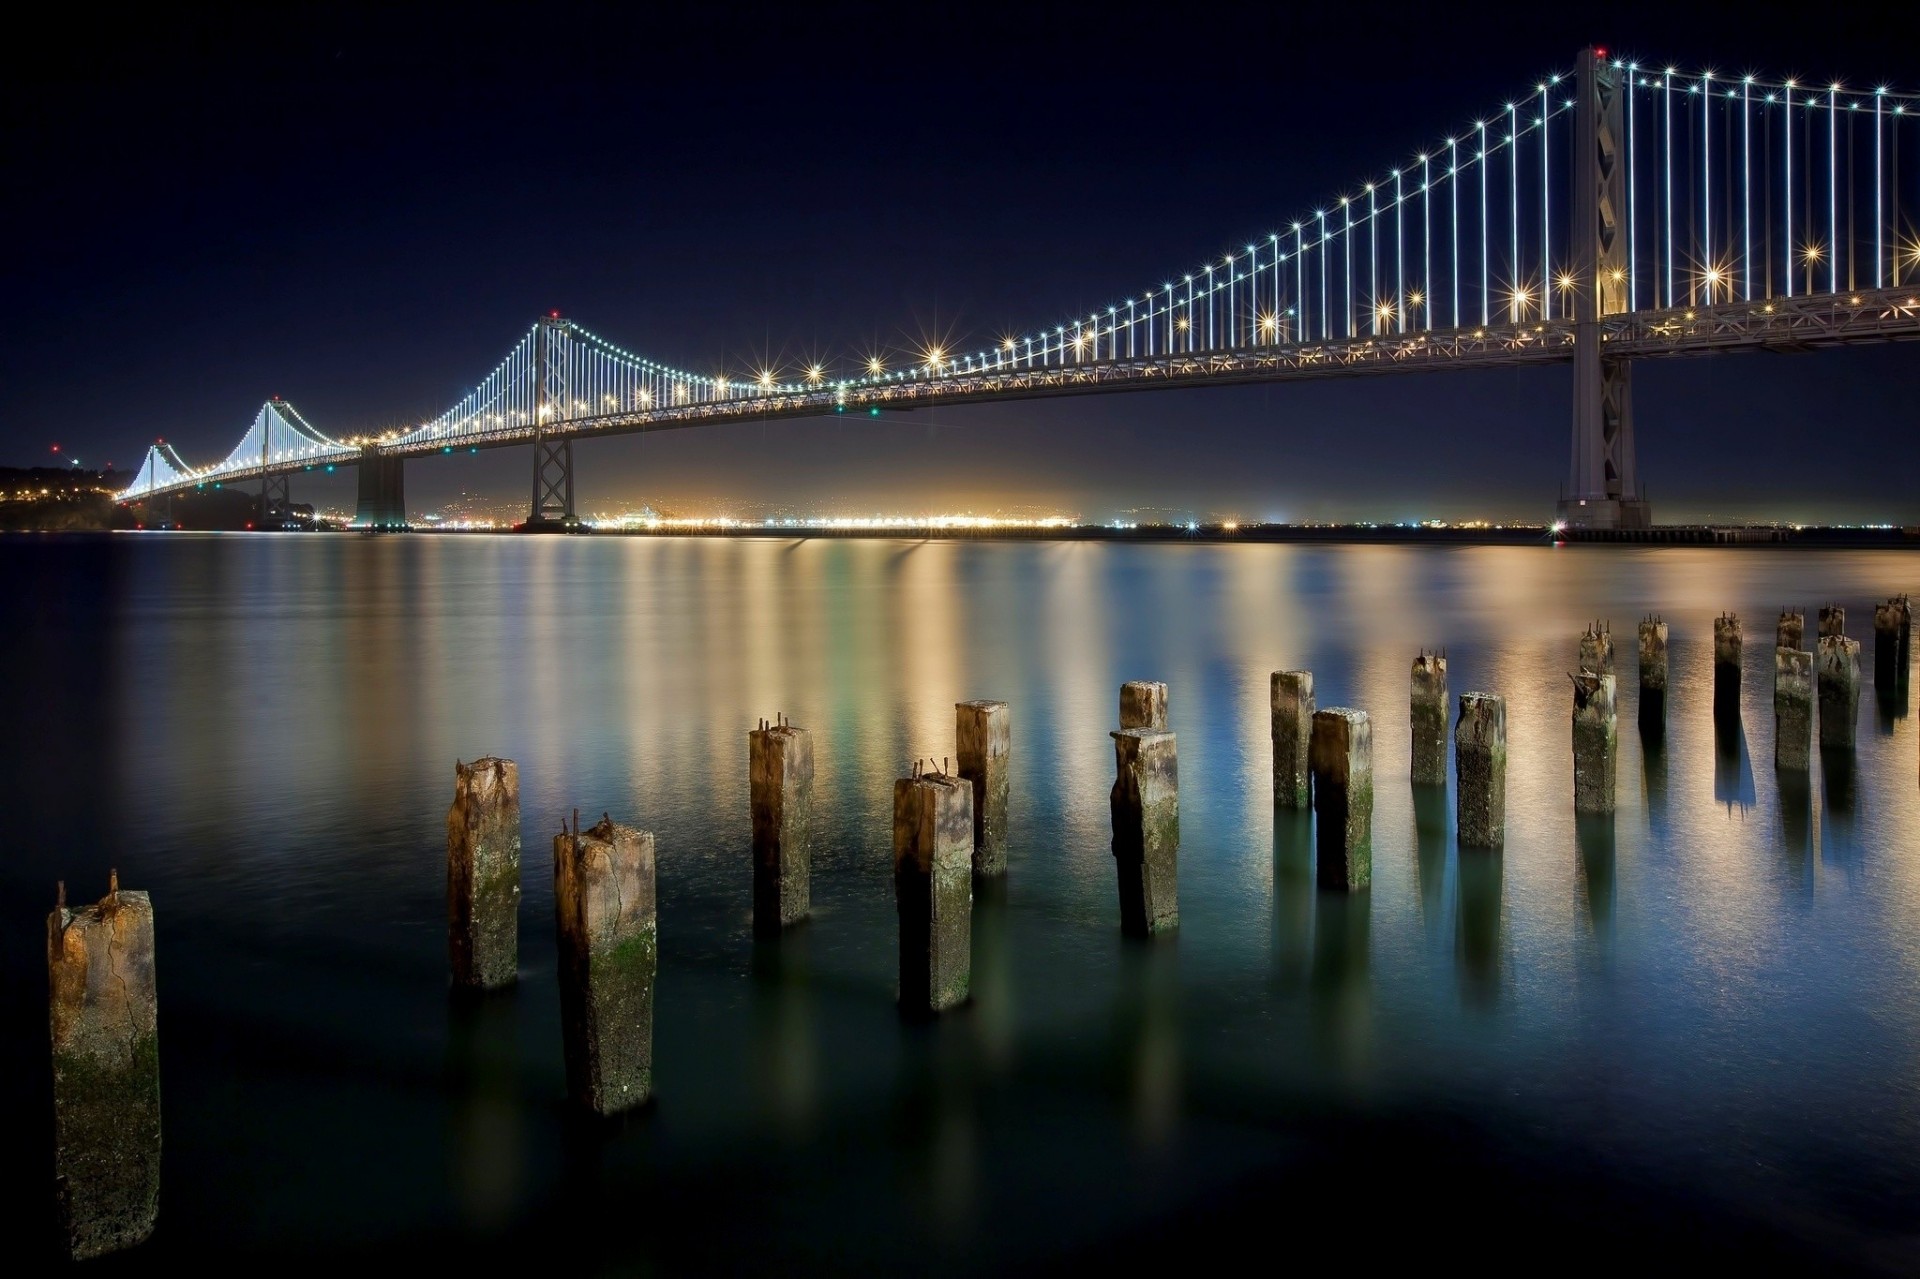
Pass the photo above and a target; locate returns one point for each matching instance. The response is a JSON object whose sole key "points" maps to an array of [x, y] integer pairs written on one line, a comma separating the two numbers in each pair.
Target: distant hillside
{"points": [[58, 500]]}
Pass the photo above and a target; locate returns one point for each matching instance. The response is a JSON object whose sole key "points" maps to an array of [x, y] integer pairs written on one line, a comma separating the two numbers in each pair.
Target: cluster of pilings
{"points": [[949, 828]]}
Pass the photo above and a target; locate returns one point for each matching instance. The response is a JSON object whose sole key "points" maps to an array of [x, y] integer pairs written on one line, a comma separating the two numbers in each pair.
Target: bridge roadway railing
{"points": [[1802, 323], [1779, 323]]}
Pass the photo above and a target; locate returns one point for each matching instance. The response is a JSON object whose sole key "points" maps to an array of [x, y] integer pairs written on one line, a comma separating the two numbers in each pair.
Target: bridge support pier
{"points": [[1602, 491], [552, 508], [274, 497], [382, 505]]}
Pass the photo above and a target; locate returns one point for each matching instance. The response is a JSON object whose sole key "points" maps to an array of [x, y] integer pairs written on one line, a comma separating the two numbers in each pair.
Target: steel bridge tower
{"points": [[1602, 489], [552, 507]]}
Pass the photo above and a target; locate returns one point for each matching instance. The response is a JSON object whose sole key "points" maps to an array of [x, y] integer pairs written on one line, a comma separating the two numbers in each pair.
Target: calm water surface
{"points": [[1696, 1027]]}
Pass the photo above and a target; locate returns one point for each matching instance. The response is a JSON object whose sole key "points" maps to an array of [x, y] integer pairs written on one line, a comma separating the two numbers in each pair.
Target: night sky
{"points": [[362, 212]]}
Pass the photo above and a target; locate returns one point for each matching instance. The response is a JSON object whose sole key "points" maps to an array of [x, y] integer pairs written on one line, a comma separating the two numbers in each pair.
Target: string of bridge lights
{"points": [[1328, 277]]}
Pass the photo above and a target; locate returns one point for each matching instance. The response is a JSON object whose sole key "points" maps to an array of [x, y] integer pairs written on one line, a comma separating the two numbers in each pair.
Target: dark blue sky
{"points": [[361, 212]]}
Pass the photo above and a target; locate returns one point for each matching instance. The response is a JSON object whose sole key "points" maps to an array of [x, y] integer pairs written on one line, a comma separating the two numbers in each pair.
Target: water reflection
{"points": [[486, 1148], [1146, 1024], [1478, 925], [1342, 985], [1594, 846], [1294, 894], [1653, 776], [1432, 841], [1839, 780], [1732, 770], [995, 1001], [272, 722], [1891, 700], [935, 1129], [786, 1055], [1796, 814]]}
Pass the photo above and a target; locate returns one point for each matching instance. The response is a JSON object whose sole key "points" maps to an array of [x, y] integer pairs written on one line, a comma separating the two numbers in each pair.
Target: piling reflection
{"points": [[1732, 770], [1342, 982], [1653, 776], [936, 1129], [1293, 898], [1594, 845], [1478, 927], [487, 1144], [1890, 700], [1796, 814], [992, 1012], [1147, 1032], [786, 1051], [1432, 841], [1838, 780]]}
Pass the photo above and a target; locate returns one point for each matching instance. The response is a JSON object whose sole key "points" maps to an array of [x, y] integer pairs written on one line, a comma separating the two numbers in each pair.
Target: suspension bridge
{"points": [[1612, 213]]}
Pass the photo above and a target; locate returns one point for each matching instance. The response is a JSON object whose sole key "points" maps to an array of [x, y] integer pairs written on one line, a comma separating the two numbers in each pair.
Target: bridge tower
{"points": [[272, 487], [1602, 489], [276, 494], [552, 508], [382, 505]]}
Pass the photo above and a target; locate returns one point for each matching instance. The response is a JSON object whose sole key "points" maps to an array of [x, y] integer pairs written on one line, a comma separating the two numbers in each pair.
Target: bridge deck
{"points": [[1778, 324]]}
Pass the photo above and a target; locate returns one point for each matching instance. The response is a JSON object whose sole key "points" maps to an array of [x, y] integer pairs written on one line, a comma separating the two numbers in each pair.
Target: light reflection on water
{"points": [[1716, 993]]}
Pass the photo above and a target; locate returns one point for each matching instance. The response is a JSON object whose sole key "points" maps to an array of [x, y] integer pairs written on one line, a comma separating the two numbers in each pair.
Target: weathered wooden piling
{"points": [[1791, 630], [1792, 708], [780, 797], [983, 742], [1789, 633], [1653, 672], [1839, 687], [603, 897], [1343, 797], [1480, 764], [1429, 714], [1596, 648], [1833, 621], [1146, 829], [1143, 704], [1292, 700], [1596, 743], [483, 874], [1726, 666], [102, 1020], [1892, 625], [933, 889]]}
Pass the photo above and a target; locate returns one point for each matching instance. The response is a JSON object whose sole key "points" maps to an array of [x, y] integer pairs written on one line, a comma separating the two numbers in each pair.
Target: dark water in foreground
{"points": [[1696, 1030]]}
